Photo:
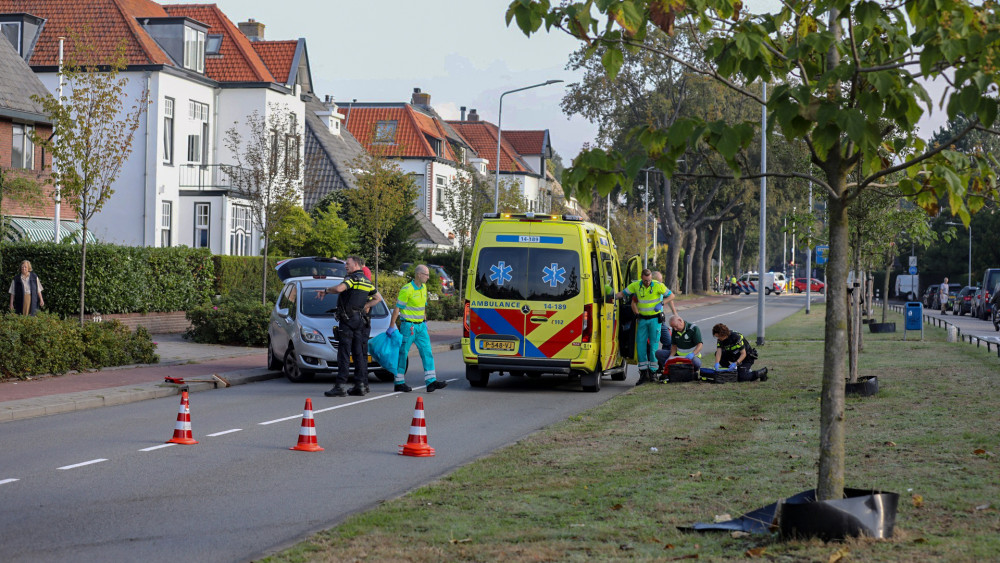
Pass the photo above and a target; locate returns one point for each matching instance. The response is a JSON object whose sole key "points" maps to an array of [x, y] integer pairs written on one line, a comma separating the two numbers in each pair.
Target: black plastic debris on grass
{"points": [[861, 512]]}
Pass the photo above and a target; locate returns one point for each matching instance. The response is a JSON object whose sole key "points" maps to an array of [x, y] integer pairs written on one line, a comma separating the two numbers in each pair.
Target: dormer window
{"points": [[21, 30], [12, 32], [213, 44], [194, 49]]}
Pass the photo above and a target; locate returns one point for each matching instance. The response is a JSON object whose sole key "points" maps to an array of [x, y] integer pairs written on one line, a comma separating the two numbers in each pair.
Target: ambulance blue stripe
{"points": [[499, 324], [541, 240]]}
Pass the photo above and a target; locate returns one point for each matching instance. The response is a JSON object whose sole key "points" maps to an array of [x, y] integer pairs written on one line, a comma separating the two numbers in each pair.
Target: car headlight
{"points": [[312, 335]]}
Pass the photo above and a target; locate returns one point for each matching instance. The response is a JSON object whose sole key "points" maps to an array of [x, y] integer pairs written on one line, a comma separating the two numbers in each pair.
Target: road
{"points": [[968, 324], [99, 485]]}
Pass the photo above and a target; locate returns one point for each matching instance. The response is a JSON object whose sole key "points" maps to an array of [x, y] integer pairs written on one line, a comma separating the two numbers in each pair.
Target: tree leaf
{"points": [[612, 61]]}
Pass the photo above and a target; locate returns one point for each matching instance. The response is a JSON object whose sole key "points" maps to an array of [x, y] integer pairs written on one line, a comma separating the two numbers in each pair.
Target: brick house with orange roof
{"points": [[428, 148], [203, 75], [523, 156]]}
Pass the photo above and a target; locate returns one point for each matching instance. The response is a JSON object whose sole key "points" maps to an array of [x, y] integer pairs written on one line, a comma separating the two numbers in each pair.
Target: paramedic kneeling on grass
{"points": [[652, 296], [686, 342]]}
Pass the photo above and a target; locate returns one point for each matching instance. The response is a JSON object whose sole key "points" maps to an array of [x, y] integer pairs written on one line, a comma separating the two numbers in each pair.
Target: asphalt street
{"points": [[100, 485]]}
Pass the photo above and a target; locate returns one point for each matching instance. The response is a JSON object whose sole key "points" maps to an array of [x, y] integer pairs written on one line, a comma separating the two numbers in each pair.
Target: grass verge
{"points": [[591, 488]]}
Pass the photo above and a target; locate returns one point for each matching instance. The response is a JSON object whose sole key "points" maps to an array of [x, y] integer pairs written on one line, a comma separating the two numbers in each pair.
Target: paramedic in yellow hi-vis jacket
{"points": [[651, 296], [410, 307]]}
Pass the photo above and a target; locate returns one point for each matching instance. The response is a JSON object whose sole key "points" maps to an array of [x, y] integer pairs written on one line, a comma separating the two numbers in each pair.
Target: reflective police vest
{"points": [[648, 296], [412, 302], [731, 350], [359, 292]]}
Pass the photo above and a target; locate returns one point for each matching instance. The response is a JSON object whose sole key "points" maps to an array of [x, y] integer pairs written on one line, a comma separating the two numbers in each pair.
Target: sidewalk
{"points": [[179, 358]]}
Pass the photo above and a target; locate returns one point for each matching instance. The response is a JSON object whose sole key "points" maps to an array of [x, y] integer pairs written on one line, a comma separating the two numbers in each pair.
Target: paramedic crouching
{"points": [[686, 342]]}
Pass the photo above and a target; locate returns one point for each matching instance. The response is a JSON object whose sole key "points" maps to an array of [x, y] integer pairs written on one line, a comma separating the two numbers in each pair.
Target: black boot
{"points": [[358, 390], [761, 374], [337, 391], [643, 377]]}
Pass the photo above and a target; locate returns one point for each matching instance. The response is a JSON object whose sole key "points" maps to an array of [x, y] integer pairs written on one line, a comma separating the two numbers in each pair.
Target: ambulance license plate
{"points": [[499, 345]]}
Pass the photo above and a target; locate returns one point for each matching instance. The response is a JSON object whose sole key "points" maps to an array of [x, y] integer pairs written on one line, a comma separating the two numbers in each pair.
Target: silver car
{"points": [[301, 336]]}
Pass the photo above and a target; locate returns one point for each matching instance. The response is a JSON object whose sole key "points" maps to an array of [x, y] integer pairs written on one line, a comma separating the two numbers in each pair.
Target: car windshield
{"points": [[313, 304], [311, 266]]}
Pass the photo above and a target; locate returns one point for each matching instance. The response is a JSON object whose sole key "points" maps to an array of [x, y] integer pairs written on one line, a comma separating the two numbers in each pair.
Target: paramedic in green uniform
{"points": [[651, 296], [410, 307]]}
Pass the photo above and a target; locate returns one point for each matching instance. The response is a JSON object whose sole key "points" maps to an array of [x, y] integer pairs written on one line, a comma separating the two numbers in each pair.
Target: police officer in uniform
{"points": [[731, 353], [353, 313], [410, 307], [652, 296]]}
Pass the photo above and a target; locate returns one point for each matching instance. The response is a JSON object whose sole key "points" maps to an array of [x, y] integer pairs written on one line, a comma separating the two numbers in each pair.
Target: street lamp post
{"points": [[970, 246], [496, 191]]}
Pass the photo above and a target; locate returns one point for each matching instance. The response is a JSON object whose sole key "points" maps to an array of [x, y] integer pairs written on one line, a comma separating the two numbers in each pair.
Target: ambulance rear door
{"points": [[555, 307], [604, 296], [626, 328]]}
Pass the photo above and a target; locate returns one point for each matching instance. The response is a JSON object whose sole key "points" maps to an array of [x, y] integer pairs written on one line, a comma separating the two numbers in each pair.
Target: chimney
{"points": [[473, 116], [420, 98], [463, 113], [253, 29]]}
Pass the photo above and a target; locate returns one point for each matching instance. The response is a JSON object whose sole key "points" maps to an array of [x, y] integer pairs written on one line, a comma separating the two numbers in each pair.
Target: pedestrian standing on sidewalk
{"points": [[354, 318], [411, 306], [943, 297], [26, 292]]}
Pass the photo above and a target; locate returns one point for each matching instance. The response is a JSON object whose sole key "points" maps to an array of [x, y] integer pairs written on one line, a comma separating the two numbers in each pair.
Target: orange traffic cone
{"points": [[182, 430], [307, 432], [416, 444]]}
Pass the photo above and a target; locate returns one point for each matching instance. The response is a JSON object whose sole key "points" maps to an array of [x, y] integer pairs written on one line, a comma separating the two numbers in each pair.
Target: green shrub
{"points": [[120, 279], [445, 308], [389, 286], [45, 344], [239, 276], [236, 321]]}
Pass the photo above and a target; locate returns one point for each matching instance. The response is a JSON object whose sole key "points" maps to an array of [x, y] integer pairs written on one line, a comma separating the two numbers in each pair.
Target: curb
{"points": [[83, 400]]}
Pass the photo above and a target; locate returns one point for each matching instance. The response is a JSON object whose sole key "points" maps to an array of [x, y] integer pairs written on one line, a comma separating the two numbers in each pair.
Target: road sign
{"points": [[913, 263], [913, 270], [822, 254]]}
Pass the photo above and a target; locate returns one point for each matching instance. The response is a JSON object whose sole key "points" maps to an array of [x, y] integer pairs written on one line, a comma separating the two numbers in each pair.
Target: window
{"points": [[194, 49], [385, 132], [198, 144], [166, 219], [22, 154], [213, 44], [543, 274], [439, 185], [168, 130], [292, 147], [418, 183], [240, 231], [435, 145], [201, 217], [12, 31]]}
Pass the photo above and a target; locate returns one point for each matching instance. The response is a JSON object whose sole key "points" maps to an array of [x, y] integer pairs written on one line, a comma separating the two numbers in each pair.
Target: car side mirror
{"points": [[283, 313]]}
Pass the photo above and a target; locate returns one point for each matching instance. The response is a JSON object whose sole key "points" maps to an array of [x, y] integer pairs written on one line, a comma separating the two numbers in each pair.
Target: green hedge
{"points": [[120, 279], [241, 321], [239, 276], [46, 344]]}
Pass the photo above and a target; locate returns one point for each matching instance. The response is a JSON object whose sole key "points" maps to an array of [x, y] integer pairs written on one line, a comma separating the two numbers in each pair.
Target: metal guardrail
{"points": [[941, 323], [207, 176]]}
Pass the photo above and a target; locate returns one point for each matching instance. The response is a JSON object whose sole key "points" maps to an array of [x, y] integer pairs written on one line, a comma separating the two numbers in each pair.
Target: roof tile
{"points": [[237, 60], [482, 136], [277, 56], [412, 129], [526, 142]]}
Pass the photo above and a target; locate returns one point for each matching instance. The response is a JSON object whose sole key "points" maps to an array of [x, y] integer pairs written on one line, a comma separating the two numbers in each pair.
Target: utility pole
{"points": [[762, 258]]}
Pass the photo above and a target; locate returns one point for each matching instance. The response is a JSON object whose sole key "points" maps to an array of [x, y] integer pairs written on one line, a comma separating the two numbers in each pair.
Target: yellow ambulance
{"points": [[540, 300]]}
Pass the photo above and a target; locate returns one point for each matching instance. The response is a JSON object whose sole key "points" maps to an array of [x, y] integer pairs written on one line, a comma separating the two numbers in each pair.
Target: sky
{"points": [[461, 52]]}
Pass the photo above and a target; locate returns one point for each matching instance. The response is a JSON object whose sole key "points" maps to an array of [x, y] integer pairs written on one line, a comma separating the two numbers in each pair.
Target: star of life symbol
{"points": [[554, 275], [500, 273]]}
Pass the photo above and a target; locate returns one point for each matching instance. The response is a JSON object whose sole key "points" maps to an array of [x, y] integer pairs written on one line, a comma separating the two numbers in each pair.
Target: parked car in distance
{"points": [[447, 283], [977, 298], [301, 332], [991, 277], [930, 294], [311, 266], [962, 303], [816, 285]]}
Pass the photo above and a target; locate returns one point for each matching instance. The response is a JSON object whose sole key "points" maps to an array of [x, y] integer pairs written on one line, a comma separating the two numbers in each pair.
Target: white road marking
{"points": [[75, 465], [5, 481], [335, 407], [722, 315], [157, 447], [224, 432]]}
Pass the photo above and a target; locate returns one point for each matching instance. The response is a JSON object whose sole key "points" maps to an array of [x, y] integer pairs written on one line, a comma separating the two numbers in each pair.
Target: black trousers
{"points": [[353, 335]]}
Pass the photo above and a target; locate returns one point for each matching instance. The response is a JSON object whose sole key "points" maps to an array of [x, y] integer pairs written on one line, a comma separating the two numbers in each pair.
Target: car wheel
{"points": [[476, 377], [591, 382], [291, 369], [272, 362], [385, 377]]}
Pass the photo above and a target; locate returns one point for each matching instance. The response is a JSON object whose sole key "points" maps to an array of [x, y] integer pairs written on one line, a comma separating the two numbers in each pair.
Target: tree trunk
{"points": [[741, 241], [692, 241], [263, 273], [83, 270], [885, 286], [674, 241], [711, 247], [698, 264], [854, 336], [830, 478]]}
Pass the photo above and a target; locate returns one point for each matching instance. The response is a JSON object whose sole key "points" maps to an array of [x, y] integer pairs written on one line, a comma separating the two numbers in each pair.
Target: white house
{"points": [[203, 76]]}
